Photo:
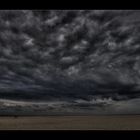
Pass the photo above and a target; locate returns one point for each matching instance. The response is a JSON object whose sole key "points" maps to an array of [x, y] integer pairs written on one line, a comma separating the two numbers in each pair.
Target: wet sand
{"points": [[96, 122]]}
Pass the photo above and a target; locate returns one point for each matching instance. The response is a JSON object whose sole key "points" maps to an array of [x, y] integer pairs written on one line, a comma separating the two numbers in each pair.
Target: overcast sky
{"points": [[69, 55]]}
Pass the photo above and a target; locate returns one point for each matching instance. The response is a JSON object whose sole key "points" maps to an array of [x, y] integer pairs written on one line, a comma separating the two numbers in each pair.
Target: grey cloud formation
{"points": [[69, 54]]}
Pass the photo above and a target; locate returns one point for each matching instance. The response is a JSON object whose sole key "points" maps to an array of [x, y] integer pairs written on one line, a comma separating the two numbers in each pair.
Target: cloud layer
{"points": [[69, 54]]}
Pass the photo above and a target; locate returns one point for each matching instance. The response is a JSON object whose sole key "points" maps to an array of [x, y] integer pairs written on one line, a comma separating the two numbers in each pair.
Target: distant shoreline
{"points": [[71, 115]]}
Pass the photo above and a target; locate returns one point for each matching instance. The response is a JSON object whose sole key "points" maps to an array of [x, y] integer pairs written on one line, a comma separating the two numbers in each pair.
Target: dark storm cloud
{"points": [[69, 54]]}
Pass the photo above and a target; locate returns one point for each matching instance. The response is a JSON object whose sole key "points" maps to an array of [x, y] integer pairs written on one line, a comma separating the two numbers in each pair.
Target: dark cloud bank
{"points": [[70, 56]]}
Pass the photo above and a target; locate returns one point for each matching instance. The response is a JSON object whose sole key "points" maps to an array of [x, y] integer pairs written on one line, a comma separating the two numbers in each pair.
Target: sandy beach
{"points": [[96, 122]]}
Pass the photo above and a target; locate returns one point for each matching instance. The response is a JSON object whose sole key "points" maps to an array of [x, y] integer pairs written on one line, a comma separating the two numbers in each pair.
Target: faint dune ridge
{"points": [[77, 107]]}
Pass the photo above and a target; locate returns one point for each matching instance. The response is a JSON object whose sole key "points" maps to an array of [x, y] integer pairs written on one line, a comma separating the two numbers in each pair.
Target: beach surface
{"points": [[96, 122]]}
